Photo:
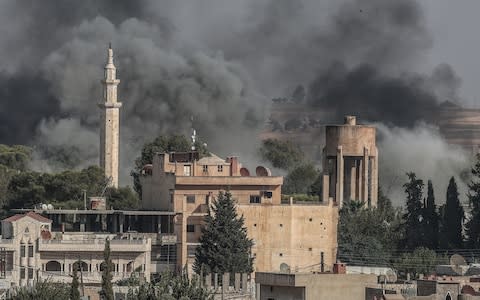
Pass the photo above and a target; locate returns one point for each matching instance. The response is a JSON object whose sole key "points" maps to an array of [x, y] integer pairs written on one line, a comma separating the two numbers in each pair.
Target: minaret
{"points": [[109, 131]]}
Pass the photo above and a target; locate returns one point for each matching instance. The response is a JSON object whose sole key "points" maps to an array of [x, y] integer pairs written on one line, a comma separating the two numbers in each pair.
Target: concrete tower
{"points": [[109, 130], [350, 163]]}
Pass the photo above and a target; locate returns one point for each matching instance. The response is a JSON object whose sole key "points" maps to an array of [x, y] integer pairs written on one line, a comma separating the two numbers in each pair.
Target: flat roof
{"points": [[97, 212]]}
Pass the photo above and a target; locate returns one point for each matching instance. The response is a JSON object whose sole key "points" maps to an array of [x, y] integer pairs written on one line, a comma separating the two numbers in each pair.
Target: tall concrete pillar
{"points": [[365, 175], [353, 179], [374, 186], [326, 188], [340, 176], [359, 180]]}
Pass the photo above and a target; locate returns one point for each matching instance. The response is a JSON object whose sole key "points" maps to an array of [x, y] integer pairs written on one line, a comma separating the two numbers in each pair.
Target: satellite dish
{"points": [[263, 171], [456, 262], [391, 276], [49, 206], [244, 172], [44, 206], [284, 268]]}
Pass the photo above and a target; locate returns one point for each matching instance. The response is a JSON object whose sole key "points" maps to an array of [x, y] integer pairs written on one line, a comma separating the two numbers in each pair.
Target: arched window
{"points": [[130, 266], [53, 266], [448, 297], [80, 266]]}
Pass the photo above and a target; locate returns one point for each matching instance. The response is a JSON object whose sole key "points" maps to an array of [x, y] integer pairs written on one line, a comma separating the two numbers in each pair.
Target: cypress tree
{"points": [[431, 219], [74, 292], [224, 245], [413, 216], [107, 291], [453, 216], [473, 224]]}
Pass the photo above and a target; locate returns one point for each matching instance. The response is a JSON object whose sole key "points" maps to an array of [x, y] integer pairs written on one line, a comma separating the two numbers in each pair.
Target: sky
{"points": [[221, 62], [453, 27]]}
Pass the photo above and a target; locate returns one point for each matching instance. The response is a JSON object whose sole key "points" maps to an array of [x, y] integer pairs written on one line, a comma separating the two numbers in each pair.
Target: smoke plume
{"points": [[215, 64]]}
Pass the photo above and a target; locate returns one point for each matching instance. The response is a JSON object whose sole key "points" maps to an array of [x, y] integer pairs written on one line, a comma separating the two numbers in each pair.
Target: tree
{"points": [[171, 287], [74, 292], [421, 261], [300, 180], [452, 219], [413, 216], [431, 219], [106, 292], [281, 154], [363, 231], [42, 290], [473, 224], [224, 245], [28, 188], [122, 198]]}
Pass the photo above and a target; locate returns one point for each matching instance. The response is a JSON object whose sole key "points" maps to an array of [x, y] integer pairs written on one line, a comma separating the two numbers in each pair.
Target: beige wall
{"points": [[317, 286], [295, 235]]}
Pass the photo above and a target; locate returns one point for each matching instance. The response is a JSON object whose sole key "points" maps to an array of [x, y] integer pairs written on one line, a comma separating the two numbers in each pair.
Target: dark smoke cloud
{"points": [[363, 91], [217, 63]]}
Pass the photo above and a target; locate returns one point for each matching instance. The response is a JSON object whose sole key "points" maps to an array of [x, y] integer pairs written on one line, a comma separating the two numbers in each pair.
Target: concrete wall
{"points": [[295, 235], [316, 286]]}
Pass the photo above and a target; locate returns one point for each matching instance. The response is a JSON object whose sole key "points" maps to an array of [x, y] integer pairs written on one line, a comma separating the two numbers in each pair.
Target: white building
{"points": [[29, 250]]}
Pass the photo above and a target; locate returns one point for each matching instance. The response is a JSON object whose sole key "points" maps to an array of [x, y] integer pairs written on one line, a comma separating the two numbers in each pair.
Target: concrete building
{"points": [[350, 163], [110, 122], [287, 236], [30, 250], [309, 286]]}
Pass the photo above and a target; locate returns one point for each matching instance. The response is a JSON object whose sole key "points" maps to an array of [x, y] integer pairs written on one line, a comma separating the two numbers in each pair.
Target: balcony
{"points": [[94, 245]]}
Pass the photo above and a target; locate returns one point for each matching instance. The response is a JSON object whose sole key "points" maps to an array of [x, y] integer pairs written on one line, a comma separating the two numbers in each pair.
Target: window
{"points": [[190, 228], [22, 273], [22, 250], [30, 273], [30, 250], [254, 199], [186, 170], [190, 198], [205, 169], [220, 168]]}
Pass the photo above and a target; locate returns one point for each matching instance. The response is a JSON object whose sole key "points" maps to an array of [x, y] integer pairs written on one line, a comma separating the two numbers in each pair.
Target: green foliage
{"points": [[431, 219], [106, 292], [281, 154], [171, 287], [30, 188], [452, 219], [173, 143], [413, 216], [224, 245], [300, 197], [473, 223], [16, 157], [365, 231], [13, 160], [122, 198], [42, 290], [300, 180], [421, 261], [74, 292]]}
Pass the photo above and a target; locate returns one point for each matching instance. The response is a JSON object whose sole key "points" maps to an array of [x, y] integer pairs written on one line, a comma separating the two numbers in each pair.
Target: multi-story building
{"points": [[286, 235], [30, 250]]}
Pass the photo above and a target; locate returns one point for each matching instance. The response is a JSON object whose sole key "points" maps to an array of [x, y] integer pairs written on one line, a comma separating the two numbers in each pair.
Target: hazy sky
{"points": [[454, 26]]}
